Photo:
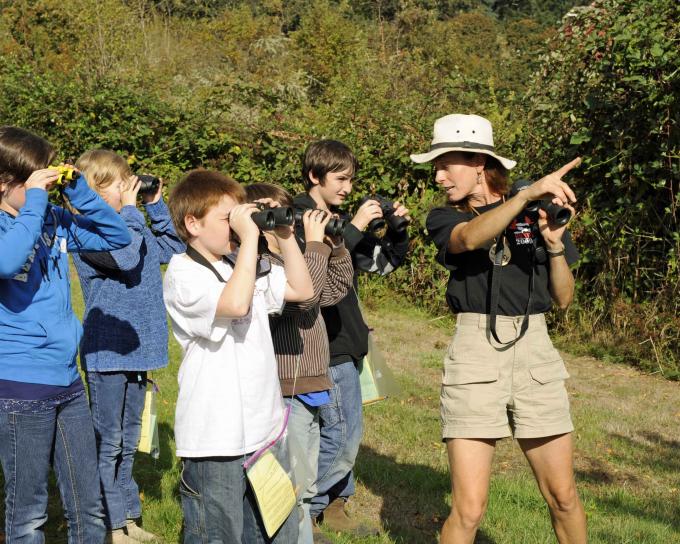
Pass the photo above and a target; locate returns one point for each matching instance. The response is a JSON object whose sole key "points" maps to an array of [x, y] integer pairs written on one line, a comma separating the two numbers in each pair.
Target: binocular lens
{"points": [[558, 215], [264, 220], [335, 227], [397, 222], [283, 216], [376, 224]]}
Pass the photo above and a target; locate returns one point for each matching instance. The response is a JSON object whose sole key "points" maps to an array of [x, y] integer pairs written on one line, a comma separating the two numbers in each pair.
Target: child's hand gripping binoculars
{"points": [[67, 174]]}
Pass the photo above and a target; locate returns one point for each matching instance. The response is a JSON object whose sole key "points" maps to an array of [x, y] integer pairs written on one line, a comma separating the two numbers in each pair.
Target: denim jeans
{"points": [[220, 508], [29, 441], [117, 402], [341, 427], [303, 441]]}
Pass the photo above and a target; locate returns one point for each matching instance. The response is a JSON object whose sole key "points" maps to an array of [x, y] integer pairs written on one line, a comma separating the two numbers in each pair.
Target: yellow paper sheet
{"points": [[273, 490], [149, 433]]}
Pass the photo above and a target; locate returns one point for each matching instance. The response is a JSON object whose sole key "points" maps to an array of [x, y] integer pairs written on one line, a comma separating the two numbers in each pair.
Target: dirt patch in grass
{"points": [[626, 438]]}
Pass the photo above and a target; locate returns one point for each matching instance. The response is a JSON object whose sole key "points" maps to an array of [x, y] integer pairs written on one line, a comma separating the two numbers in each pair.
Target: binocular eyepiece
{"points": [[395, 222], [334, 227], [270, 218], [558, 215], [67, 174]]}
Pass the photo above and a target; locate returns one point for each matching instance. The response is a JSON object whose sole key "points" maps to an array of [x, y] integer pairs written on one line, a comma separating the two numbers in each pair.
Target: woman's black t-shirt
{"points": [[469, 288]]}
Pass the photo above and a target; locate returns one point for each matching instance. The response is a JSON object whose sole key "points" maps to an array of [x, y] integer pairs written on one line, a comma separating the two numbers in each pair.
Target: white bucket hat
{"points": [[458, 132]]}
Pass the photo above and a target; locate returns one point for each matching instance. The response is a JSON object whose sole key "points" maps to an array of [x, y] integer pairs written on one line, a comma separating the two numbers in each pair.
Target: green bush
{"points": [[77, 116], [609, 91], [245, 86]]}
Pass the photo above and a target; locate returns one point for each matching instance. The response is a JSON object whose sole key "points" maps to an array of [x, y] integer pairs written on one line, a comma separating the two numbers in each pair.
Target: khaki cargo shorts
{"points": [[491, 391]]}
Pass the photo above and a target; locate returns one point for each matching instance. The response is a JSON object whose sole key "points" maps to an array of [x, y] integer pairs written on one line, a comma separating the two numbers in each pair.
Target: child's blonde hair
{"points": [[102, 167]]}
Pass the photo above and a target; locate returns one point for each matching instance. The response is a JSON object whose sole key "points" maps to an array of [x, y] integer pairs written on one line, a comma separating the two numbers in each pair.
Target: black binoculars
{"points": [[67, 174], [334, 227], [558, 215], [270, 218], [148, 184], [395, 222]]}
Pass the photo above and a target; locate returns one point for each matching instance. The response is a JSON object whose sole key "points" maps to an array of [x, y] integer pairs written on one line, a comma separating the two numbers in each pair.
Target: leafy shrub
{"points": [[609, 91], [244, 86]]}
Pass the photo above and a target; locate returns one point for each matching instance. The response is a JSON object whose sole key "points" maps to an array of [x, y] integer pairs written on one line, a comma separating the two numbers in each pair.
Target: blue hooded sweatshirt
{"points": [[39, 333]]}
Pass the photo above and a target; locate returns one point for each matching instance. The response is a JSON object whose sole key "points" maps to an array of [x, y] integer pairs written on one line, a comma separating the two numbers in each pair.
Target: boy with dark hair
{"points": [[44, 416], [301, 342], [328, 169]]}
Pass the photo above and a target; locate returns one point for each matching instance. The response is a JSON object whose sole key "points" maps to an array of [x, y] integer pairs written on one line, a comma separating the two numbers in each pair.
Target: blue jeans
{"points": [[341, 428], [29, 441], [117, 402], [303, 441], [219, 506]]}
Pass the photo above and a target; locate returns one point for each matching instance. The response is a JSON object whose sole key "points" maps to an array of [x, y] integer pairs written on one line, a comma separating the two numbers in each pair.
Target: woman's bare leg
{"points": [[551, 459], [470, 464]]}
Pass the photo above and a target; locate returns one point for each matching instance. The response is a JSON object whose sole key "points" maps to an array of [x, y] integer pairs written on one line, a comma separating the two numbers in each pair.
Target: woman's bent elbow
{"points": [[461, 244], [564, 304]]}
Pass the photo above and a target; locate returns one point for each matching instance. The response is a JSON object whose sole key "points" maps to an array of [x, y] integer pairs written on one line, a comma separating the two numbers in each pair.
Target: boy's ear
{"points": [[4, 189], [192, 225], [314, 180]]}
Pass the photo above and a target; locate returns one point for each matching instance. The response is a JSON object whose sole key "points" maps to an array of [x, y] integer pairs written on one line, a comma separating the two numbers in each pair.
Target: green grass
{"points": [[627, 451]]}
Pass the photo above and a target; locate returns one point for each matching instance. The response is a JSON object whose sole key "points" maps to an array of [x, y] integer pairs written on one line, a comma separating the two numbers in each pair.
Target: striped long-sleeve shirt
{"points": [[299, 333], [347, 331]]}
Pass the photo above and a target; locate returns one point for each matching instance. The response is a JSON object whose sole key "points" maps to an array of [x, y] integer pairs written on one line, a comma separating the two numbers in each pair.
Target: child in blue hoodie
{"points": [[44, 416], [125, 331]]}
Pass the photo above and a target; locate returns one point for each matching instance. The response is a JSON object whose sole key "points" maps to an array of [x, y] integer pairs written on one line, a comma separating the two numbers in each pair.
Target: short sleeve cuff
{"points": [[276, 294]]}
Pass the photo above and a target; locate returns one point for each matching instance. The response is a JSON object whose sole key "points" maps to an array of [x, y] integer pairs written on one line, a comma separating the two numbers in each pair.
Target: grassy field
{"points": [[627, 458]]}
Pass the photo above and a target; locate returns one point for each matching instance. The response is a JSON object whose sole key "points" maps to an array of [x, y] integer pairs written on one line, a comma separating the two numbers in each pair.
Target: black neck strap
{"points": [[200, 259], [495, 293], [262, 269]]}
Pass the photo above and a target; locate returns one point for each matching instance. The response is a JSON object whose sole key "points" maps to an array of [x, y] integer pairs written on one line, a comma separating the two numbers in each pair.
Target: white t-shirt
{"points": [[229, 400]]}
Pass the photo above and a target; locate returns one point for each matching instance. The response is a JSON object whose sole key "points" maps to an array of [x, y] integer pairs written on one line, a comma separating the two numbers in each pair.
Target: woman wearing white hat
{"points": [[508, 262]]}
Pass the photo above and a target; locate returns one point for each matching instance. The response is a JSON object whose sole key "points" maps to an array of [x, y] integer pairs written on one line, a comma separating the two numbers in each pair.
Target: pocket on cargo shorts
{"points": [[470, 376]]}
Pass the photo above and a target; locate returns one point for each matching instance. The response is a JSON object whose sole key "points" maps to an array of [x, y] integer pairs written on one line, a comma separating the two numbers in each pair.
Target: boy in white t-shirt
{"points": [[219, 295]]}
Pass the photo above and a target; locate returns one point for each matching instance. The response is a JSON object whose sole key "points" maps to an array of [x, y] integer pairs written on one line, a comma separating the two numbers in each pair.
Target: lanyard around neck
{"points": [[200, 259]]}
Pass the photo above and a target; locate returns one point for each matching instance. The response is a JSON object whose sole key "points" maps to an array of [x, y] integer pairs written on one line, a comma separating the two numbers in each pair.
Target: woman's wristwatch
{"points": [[555, 252]]}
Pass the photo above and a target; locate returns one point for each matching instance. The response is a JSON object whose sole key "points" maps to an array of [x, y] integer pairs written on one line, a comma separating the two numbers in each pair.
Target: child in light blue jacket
{"points": [[126, 333], [44, 415]]}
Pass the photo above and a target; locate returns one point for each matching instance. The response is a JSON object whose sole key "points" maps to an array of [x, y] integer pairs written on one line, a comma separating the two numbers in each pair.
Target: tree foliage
{"points": [[243, 86], [609, 90]]}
